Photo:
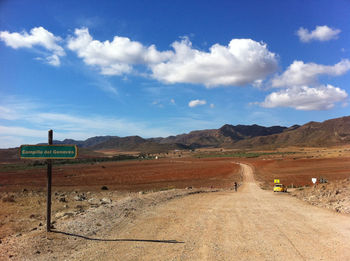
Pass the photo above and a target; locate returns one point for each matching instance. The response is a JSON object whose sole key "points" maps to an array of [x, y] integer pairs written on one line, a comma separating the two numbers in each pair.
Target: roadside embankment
{"points": [[333, 195]]}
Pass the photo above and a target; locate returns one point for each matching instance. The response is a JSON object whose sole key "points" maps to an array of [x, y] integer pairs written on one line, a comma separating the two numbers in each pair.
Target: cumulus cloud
{"points": [[321, 33], [195, 103], [300, 73], [243, 61], [38, 36], [116, 57], [301, 88], [307, 98]]}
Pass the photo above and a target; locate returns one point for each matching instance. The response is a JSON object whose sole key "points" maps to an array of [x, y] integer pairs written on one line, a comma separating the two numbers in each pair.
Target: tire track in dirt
{"points": [[249, 178]]}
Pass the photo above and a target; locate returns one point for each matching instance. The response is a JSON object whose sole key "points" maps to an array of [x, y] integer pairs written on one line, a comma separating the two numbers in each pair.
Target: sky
{"points": [[160, 68]]}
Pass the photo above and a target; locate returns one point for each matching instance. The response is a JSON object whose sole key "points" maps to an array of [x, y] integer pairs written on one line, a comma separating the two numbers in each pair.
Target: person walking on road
{"points": [[235, 186]]}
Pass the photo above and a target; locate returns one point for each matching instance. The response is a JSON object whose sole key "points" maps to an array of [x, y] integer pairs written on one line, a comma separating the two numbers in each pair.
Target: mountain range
{"points": [[313, 134]]}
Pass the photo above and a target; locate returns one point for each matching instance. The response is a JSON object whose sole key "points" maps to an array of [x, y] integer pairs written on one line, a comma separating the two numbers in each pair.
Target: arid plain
{"points": [[125, 190]]}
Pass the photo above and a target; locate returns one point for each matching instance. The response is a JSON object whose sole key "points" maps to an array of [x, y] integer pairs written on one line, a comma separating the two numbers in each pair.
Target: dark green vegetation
{"points": [[33, 164], [240, 154]]}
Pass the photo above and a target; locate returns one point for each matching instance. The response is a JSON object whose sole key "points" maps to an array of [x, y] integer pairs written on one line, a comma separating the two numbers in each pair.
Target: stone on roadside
{"points": [[80, 197], [93, 201], [63, 214], [62, 199], [106, 201]]}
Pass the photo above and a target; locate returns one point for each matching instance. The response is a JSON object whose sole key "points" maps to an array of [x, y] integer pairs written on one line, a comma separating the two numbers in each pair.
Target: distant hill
{"points": [[90, 142], [313, 134], [136, 143], [328, 133], [226, 136]]}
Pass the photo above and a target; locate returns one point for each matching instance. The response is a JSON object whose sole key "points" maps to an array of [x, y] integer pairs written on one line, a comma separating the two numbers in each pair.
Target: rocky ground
{"points": [[334, 195], [78, 217]]}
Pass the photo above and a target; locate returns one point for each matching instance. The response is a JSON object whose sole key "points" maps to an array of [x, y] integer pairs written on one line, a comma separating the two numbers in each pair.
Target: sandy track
{"points": [[250, 224]]}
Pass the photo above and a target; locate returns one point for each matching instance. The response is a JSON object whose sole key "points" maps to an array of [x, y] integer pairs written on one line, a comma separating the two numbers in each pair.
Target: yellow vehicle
{"points": [[279, 188]]}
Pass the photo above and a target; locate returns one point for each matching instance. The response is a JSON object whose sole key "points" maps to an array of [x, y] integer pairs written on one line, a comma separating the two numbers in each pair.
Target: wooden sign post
{"points": [[49, 178], [48, 152]]}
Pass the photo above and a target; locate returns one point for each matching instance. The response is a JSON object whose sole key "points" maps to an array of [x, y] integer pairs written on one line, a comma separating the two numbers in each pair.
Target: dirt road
{"points": [[250, 224]]}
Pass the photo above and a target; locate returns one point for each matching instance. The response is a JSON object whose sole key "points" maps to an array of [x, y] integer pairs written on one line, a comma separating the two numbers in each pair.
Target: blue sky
{"points": [[160, 68]]}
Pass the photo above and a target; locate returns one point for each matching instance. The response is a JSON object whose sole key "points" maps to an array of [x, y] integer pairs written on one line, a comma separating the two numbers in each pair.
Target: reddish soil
{"points": [[23, 191], [250, 224], [22, 212], [300, 171], [175, 173], [127, 175]]}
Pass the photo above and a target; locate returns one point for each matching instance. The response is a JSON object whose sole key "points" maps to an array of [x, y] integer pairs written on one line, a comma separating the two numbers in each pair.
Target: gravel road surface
{"points": [[251, 224]]}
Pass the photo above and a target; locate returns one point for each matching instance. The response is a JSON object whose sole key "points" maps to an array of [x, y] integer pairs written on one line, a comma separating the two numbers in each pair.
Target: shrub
{"points": [[9, 199]]}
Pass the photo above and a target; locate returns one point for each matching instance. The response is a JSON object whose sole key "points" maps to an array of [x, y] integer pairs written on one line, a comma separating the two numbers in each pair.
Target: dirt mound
{"points": [[334, 195]]}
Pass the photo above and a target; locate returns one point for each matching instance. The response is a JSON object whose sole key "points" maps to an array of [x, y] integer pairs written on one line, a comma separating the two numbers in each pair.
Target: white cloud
{"points": [[306, 98], [172, 101], [243, 61], [300, 73], [22, 131], [195, 103], [158, 104], [13, 109], [302, 89], [193, 122], [116, 57], [321, 33], [95, 124], [25, 123], [38, 36], [106, 86], [53, 60], [10, 142], [212, 105], [7, 113]]}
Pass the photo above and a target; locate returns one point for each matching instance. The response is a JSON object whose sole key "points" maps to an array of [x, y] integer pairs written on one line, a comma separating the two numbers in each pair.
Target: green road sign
{"points": [[48, 151]]}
